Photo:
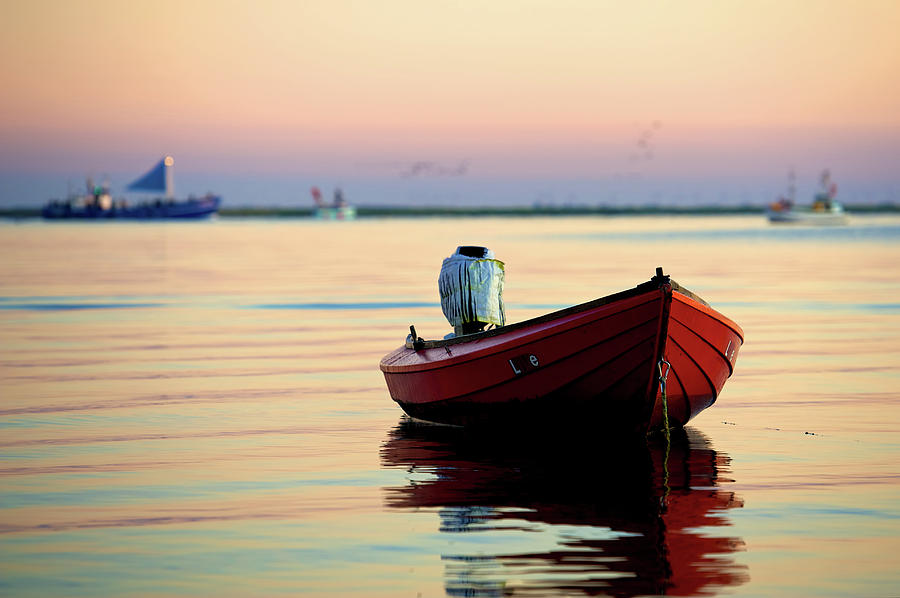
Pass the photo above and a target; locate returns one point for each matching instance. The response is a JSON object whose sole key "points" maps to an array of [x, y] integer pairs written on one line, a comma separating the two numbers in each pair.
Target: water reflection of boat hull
{"points": [[599, 361], [162, 209], [649, 521]]}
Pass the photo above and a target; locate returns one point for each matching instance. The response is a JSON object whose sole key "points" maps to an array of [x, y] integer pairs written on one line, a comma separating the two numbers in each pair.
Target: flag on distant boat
{"points": [[159, 178]]}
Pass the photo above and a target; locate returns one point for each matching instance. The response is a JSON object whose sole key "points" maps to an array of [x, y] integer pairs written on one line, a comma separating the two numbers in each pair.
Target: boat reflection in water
{"points": [[625, 519]]}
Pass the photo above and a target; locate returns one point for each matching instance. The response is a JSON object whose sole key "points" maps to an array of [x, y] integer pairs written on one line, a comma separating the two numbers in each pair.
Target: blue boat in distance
{"points": [[98, 203]]}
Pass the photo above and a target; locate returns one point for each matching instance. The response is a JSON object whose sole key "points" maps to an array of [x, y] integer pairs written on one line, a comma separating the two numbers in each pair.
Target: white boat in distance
{"points": [[339, 209], [825, 209]]}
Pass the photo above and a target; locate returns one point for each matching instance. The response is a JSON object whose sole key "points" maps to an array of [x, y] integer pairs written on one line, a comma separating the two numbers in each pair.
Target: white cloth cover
{"points": [[472, 290]]}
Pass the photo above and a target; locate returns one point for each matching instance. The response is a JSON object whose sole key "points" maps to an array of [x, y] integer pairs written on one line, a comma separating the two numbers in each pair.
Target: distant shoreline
{"points": [[497, 211]]}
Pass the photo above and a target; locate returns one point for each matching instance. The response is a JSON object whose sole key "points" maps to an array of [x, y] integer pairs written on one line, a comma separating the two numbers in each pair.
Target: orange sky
{"points": [[328, 83]]}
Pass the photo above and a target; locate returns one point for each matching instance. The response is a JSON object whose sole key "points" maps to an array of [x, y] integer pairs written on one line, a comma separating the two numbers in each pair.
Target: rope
{"points": [[663, 375]]}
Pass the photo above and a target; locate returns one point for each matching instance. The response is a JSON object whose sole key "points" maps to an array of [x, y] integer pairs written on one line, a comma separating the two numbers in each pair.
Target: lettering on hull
{"points": [[524, 363]]}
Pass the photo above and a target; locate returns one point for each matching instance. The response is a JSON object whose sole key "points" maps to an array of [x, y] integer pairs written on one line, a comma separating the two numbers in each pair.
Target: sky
{"points": [[508, 88]]}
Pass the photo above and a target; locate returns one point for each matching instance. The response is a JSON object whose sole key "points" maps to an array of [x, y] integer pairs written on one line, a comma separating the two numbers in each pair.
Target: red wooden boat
{"points": [[609, 363]]}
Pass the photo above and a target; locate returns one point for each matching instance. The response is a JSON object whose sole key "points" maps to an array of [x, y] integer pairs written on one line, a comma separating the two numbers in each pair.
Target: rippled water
{"points": [[196, 409]]}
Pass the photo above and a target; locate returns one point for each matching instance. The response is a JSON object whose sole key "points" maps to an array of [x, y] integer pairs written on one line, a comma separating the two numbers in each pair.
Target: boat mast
{"points": [[792, 184], [169, 163]]}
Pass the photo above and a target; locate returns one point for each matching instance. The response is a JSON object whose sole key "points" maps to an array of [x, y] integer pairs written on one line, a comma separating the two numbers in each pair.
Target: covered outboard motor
{"points": [[471, 287]]}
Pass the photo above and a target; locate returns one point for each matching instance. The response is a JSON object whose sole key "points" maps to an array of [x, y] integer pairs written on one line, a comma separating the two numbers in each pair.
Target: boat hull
{"points": [[597, 362], [153, 210], [800, 216], [333, 213]]}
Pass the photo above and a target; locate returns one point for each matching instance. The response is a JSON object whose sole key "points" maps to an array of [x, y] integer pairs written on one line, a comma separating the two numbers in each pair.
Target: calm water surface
{"points": [[196, 409]]}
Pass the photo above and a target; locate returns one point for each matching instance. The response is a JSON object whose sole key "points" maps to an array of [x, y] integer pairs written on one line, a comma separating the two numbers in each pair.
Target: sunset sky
{"points": [[565, 88]]}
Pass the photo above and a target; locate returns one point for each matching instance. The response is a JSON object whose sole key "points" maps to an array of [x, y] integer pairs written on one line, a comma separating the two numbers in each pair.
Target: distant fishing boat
{"points": [[338, 209], [607, 361], [825, 209], [98, 203]]}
